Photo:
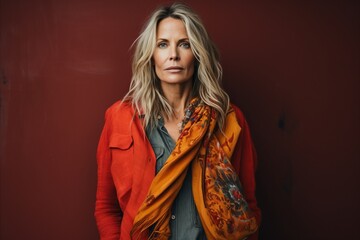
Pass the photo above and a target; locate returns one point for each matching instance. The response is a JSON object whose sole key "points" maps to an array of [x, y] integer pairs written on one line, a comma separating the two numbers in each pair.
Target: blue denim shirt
{"points": [[185, 223]]}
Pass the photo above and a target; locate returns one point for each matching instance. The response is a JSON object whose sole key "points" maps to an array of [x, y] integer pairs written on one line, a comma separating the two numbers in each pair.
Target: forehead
{"points": [[171, 27]]}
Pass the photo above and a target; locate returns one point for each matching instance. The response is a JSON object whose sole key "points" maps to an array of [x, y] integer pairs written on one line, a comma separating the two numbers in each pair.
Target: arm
{"points": [[244, 161], [107, 210]]}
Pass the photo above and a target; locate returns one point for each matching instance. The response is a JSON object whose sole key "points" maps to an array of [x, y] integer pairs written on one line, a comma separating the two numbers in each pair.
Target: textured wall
{"points": [[293, 68]]}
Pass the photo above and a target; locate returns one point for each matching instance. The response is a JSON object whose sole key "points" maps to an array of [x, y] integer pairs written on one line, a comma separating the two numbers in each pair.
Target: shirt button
{"points": [[173, 217]]}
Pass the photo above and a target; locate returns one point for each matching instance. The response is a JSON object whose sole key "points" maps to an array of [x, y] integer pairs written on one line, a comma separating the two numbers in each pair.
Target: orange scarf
{"points": [[216, 188]]}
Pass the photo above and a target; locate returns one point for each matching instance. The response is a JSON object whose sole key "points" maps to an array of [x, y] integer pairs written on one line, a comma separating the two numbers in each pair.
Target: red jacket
{"points": [[126, 168]]}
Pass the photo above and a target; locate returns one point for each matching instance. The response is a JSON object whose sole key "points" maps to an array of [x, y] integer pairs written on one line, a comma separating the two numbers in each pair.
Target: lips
{"points": [[174, 68]]}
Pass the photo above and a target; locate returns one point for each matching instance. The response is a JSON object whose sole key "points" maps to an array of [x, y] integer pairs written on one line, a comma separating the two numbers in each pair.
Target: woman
{"points": [[164, 168]]}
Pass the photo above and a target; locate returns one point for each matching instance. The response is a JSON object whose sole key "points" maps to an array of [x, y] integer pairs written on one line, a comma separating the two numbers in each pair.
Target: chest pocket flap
{"points": [[120, 141]]}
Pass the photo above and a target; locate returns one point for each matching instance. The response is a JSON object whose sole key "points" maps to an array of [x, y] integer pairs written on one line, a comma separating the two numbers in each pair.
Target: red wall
{"points": [[292, 67]]}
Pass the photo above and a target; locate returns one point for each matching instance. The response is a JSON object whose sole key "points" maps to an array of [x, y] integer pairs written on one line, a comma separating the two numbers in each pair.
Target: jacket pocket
{"points": [[122, 154], [121, 141]]}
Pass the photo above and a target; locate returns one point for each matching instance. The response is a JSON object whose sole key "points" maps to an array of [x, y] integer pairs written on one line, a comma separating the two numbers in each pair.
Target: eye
{"points": [[162, 45], [185, 45]]}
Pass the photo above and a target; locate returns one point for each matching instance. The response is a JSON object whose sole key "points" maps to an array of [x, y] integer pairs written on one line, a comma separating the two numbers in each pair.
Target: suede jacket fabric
{"points": [[126, 168]]}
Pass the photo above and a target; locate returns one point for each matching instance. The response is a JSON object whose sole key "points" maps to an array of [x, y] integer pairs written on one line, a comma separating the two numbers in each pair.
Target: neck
{"points": [[178, 96]]}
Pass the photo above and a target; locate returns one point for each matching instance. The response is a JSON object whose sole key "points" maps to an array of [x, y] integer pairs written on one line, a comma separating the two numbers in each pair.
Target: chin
{"points": [[175, 80]]}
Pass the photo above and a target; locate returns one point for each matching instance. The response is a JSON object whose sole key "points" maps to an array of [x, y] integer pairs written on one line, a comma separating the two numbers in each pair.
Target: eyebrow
{"points": [[180, 40]]}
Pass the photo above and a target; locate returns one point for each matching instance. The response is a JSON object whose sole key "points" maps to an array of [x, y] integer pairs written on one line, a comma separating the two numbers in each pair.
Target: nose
{"points": [[174, 55]]}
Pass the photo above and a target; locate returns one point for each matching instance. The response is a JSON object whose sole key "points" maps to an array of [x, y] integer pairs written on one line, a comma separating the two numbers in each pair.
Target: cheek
{"points": [[189, 59], [158, 59], [158, 71], [157, 64], [191, 63]]}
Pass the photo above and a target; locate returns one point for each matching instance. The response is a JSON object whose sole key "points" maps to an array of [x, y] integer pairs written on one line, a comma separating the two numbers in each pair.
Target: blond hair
{"points": [[145, 93]]}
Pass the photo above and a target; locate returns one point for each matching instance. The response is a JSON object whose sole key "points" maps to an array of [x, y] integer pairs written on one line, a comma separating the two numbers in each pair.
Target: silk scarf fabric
{"points": [[222, 208]]}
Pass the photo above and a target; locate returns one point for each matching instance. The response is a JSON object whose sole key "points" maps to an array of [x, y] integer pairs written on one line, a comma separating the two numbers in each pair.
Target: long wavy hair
{"points": [[145, 94]]}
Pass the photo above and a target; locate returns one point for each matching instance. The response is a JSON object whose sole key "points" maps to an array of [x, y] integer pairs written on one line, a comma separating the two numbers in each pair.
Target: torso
{"points": [[185, 222], [172, 128]]}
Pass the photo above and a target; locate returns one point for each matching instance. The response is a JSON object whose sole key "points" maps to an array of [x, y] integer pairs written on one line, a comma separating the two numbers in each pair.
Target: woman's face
{"points": [[173, 58]]}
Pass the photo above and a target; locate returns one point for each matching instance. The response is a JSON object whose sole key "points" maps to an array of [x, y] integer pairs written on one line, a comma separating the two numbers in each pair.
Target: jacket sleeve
{"points": [[244, 160], [108, 214]]}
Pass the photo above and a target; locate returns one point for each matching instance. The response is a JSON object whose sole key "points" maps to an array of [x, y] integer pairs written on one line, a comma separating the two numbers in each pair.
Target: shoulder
{"points": [[239, 114], [120, 110], [119, 117]]}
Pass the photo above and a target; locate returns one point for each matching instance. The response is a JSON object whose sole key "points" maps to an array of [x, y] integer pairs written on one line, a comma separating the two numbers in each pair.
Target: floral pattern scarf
{"points": [[217, 192]]}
